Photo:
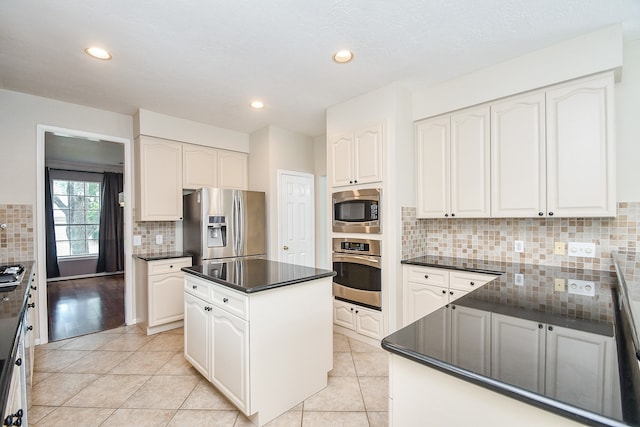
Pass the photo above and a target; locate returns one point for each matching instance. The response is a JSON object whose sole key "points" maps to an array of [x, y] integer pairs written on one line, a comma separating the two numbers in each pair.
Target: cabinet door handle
{"points": [[453, 307], [171, 266], [550, 213], [18, 361], [34, 288], [426, 276], [472, 283], [540, 326], [194, 286], [32, 305], [225, 299], [356, 311], [453, 214], [450, 292], [446, 215], [551, 328], [444, 292], [540, 213], [30, 328]]}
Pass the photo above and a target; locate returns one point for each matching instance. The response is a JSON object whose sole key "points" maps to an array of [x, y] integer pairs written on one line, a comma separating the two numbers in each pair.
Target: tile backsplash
{"points": [[148, 230], [16, 241], [492, 239]]}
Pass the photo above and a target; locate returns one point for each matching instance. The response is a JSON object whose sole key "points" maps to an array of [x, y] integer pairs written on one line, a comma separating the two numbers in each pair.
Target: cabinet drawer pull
{"points": [[472, 283], [30, 328], [426, 276], [18, 361], [32, 305], [450, 292], [444, 292], [452, 215], [540, 326], [194, 286], [225, 299], [551, 328], [540, 213], [171, 266], [550, 213]]}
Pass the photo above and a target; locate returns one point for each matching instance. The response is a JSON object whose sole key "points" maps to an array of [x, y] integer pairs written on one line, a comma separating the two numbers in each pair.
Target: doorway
{"points": [[296, 229], [82, 295]]}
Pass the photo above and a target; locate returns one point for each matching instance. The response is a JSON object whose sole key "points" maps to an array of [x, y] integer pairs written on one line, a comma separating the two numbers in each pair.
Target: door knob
{"points": [[286, 248]]}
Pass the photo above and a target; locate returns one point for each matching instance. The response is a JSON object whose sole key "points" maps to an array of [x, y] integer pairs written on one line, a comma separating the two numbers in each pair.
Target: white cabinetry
{"points": [[158, 179], [518, 352], [253, 357], [581, 148], [233, 170], [453, 165], [362, 320], [356, 157], [427, 289], [518, 157], [159, 293], [199, 167], [471, 339]]}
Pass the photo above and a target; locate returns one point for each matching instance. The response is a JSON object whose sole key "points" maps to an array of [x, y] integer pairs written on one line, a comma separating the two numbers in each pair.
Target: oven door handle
{"points": [[357, 259]]}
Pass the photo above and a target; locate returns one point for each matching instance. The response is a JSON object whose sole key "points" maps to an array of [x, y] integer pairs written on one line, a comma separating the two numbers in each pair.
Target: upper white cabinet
{"points": [[233, 170], [356, 157], [199, 167], [158, 180], [581, 149], [548, 153], [453, 165], [518, 157]]}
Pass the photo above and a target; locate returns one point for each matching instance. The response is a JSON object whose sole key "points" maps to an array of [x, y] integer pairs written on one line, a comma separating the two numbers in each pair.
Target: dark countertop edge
{"points": [[450, 267], [542, 402], [259, 288], [7, 368], [168, 255]]}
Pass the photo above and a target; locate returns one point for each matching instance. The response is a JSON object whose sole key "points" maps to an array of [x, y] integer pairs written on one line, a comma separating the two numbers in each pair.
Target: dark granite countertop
{"points": [[255, 275], [155, 256], [538, 299], [12, 306]]}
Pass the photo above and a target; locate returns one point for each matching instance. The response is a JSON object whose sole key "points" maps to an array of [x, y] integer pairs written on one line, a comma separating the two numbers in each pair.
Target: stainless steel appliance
{"points": [[357, 211], [357, 263], [223, 223]]}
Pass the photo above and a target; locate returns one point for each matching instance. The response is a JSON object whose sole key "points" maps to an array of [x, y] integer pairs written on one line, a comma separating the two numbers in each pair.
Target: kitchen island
{"points": [[261, 331], [535, 346]]}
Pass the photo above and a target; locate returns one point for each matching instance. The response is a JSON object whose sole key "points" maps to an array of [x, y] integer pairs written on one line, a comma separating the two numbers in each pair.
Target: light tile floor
{"points": [[124, 378]]}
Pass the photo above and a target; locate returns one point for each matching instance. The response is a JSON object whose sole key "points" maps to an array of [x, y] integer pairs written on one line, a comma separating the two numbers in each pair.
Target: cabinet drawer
{"points": [[165, 266], [232, 302], [469, 281], [428, 276], [198, 287]]}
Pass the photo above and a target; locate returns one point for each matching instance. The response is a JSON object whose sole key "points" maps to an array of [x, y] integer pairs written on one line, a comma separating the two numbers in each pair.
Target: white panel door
{"points": [[470, 157], [471, 339], [368, 155], [296, 217], [197, 334], [578, 361], [518, 157], [581, 149], [432, 152], [368, 322], [166, 298], [420, 300], [199, 167], [230, 358], [341, 159], [518, 352], [344, 315], [233, 170]]}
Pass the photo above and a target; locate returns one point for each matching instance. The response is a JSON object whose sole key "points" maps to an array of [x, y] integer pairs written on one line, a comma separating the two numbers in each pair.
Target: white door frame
{"points": [[41, 230], [312, 231]]}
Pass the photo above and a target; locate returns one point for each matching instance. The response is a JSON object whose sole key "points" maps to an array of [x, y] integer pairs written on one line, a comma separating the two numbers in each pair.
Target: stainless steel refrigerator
{"points": [[224, 224]]}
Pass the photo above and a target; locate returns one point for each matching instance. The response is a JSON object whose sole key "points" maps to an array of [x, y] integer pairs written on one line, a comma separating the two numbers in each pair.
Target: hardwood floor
{"points": [[83, 306]]}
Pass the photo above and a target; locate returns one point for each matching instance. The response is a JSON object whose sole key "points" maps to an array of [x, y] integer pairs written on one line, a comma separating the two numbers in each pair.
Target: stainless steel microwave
{"points": [[357, 211]]}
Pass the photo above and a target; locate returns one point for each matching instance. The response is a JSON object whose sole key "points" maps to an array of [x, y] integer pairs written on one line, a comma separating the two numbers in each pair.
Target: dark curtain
{"points": [[111, 239], [52, 251]]}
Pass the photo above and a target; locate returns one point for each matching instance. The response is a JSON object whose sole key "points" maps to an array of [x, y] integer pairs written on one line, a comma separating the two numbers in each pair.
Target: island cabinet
{"points": [[356, 157], [158, 179], [426, 289], [159, 293], [266, 351], [553, 152]]}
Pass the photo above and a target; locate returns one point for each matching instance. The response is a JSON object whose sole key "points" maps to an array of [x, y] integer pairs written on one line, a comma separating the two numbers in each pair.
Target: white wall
{"points": [[591, 53], [19, 116], [628, 125], [162, 126]]}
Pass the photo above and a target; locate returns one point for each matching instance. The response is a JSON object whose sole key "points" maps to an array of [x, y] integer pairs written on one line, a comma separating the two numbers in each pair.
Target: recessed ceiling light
{"points": [[343, 56], [257, 105], [98, 52]]}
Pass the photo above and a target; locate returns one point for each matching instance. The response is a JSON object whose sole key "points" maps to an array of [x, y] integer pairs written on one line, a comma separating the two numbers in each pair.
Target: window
{"points": [[76, 215]]}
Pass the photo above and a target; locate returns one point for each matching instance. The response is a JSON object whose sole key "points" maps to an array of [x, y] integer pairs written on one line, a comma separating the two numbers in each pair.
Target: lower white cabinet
{"points": [[159, 293], [362, 320], [426, 289], [266, 351]]}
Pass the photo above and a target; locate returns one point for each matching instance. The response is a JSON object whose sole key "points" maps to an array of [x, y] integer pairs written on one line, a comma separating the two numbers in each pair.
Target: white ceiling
{"points": [[205, 60]]}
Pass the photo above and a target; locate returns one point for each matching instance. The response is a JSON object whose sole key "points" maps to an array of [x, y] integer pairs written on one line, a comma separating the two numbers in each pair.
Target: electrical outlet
{"points": [[582, 287], [158, 239], [586, 250], [137, 240], [518, 279], [560, 248], [559, 285], [518, 246]]}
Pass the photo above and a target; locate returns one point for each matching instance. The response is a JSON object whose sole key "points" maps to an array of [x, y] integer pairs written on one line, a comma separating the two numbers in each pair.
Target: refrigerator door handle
{"points": [[237, 224]]}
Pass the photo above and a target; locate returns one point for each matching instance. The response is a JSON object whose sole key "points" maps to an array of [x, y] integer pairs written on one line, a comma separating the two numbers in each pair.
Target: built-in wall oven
{"points": [[357, 211], [357, 263]]}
